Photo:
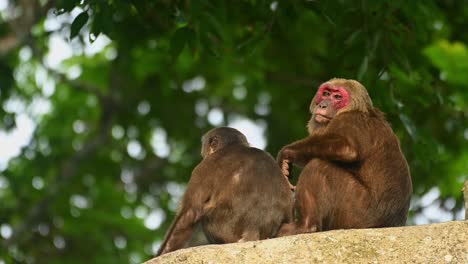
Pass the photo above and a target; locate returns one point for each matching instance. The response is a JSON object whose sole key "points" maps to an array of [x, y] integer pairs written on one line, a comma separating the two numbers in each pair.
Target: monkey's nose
{"points": [[322, 105]]}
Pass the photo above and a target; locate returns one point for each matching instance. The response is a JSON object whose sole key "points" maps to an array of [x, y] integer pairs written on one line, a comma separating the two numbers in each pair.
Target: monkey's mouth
{"points": [[319, 118]]}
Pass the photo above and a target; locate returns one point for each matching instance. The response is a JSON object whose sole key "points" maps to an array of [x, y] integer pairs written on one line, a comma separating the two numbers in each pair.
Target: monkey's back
{"points": [[251, 197], [383, 169]]}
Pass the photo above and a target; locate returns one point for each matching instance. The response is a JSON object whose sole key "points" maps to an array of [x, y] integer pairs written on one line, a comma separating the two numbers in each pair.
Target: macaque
{"points": [[237, 193], [354, 173]]}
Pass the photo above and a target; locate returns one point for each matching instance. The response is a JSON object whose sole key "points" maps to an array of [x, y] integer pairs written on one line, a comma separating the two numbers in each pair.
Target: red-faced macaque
{"points": [[354, 173]]}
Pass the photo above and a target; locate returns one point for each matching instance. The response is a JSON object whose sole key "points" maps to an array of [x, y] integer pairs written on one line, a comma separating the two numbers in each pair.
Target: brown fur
{"points": [[355, 174], [237, 193]]}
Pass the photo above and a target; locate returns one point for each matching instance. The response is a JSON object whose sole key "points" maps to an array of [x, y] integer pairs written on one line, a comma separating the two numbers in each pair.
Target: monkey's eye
{"points": [[326, 93], [338, 96]]}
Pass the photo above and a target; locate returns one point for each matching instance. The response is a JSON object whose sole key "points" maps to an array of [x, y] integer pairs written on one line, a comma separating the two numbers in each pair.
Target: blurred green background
{"points": [[103, 104]]}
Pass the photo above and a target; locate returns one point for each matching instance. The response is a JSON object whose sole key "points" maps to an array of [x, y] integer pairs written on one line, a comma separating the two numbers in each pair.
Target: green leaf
{"points": [[409, 126], [178, 41], [350, 40], [78, 23], [65, 6], [451, 59], [192, 41], [180, 20], [363, 68], [213, 25], [101, 22]]}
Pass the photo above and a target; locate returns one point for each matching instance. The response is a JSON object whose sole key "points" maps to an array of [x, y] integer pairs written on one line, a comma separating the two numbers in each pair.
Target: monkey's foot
{"points": [[290, 229]]}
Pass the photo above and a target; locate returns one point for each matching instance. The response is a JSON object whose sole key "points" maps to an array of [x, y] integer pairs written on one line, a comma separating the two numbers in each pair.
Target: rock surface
{"points": [[435, 243]]}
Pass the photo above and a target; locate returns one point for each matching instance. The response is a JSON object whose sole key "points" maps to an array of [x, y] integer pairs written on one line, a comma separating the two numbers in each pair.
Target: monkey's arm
{"points": [[328, 146], [180, 231]]}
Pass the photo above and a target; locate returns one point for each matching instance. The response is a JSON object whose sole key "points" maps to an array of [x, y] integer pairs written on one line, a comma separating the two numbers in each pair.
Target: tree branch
{"points": [[21, 26], [80, 85]]}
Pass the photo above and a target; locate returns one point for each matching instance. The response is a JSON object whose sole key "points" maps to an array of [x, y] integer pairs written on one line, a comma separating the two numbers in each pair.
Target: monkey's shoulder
{"points": [[241, 152], [360, 122], [358, 118], [232, 159]]}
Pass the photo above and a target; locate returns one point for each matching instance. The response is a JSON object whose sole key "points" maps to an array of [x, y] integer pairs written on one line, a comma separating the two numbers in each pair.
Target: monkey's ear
{"points": [[213, 142]]}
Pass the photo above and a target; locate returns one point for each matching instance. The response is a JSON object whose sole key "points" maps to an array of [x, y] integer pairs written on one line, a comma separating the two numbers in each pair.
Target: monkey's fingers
{"points": [[285, 168]]}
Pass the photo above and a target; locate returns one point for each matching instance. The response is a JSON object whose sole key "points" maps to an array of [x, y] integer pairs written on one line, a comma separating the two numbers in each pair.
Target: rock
{"points": [[434, 243]]}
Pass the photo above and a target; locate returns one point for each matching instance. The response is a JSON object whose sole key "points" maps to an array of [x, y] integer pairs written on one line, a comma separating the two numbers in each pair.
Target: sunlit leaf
{"points": [[451, 59]]}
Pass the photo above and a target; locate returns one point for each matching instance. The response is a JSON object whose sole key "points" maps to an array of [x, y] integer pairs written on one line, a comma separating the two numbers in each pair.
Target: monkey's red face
{"points": [[328, 101]]}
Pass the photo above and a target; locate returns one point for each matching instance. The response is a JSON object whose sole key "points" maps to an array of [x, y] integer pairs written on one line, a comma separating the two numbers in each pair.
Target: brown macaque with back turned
{"points": [[355, 174], [237, 193]]}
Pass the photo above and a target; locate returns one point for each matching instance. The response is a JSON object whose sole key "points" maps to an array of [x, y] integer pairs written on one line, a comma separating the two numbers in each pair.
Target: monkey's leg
{"points": [[330, 197], [314, 195], [308, 220]]}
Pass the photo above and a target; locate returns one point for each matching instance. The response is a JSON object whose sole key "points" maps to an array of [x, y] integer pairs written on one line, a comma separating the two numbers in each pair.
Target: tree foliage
{"points": [[117, 132]]}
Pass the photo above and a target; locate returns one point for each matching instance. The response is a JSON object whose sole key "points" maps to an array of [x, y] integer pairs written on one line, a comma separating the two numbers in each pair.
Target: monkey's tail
{"points": [[168, 235]]}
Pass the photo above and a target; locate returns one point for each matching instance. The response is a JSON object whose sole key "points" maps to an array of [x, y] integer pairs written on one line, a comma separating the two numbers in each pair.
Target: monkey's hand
{"points": [[286, 170], [285, 154], [285, 158]]}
